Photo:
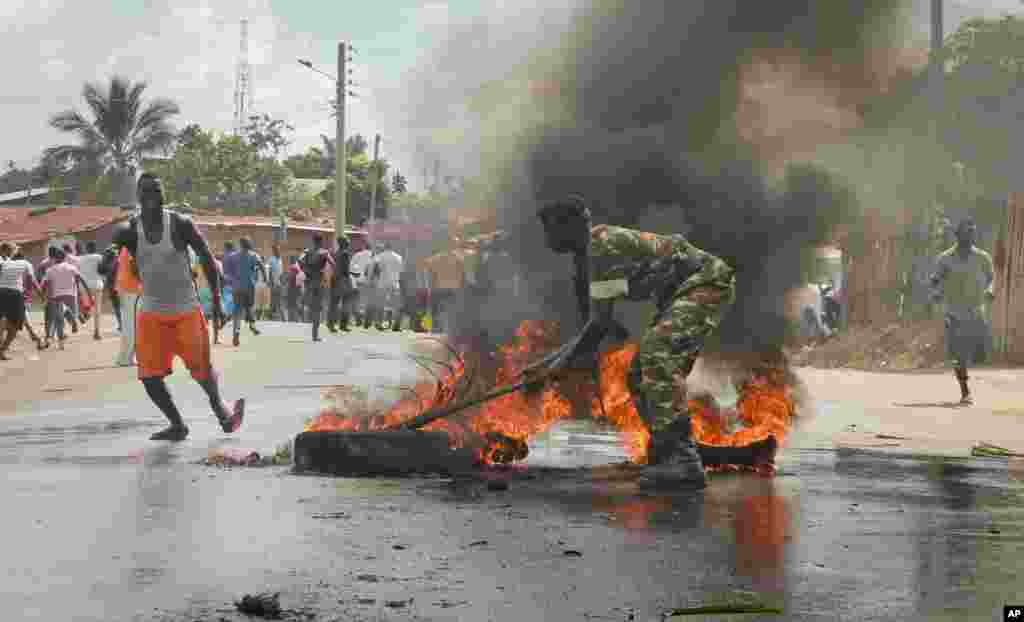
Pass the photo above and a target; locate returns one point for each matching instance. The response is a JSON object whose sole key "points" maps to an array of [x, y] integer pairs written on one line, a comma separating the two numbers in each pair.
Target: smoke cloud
{"points": [[698, 106]]}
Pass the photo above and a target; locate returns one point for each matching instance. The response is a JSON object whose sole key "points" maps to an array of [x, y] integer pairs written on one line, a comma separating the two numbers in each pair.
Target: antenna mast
{"points": [[243, 97]]}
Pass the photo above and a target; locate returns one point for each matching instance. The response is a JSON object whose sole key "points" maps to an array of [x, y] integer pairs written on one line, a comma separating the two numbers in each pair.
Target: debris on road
{"points": [[323, 515], [232, 456], [264, 605], [572, 553], [988, 450], [721, 609]]}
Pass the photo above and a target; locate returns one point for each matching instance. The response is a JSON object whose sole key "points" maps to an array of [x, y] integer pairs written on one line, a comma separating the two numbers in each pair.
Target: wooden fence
{"points": [[1008, 308], [872, 283]]}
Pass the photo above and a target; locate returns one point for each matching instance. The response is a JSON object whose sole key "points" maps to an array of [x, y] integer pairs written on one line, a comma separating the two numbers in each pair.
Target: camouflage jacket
{"points": [[654, 266]]}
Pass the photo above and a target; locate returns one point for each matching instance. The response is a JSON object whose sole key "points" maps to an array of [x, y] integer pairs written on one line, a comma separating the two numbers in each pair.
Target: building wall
{"points": [[36, 250], [262, 238]]}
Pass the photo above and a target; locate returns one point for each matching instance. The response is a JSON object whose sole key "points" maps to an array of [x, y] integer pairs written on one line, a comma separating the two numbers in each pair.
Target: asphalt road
{"points": [[102, 524]]}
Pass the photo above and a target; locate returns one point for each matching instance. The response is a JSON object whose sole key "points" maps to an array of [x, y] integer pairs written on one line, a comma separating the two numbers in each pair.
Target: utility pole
{"points": [[375, 179], [340, 155], [935, 78]]}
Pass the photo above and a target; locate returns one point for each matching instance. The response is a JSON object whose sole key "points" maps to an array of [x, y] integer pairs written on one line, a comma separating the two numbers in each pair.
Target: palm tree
{"points": [[122, 130]]}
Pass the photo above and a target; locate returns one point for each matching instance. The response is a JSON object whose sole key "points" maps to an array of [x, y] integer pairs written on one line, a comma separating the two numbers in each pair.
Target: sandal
{"points": [[234, 422]]}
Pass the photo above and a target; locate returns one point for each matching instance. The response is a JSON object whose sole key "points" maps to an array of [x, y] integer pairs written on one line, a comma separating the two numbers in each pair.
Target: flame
{"points": [[500, 429], [764, 408]]}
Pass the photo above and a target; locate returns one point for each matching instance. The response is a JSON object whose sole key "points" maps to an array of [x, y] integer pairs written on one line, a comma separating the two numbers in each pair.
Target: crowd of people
{"points": [[371, 288], [66, 282]]}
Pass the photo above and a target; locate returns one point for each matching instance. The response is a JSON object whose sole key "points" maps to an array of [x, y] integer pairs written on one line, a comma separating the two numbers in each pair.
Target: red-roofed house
{"points": [[32, 228]]}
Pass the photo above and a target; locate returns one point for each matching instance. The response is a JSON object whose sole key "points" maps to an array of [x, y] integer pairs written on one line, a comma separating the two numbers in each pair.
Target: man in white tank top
{"points": [[170, 322]]}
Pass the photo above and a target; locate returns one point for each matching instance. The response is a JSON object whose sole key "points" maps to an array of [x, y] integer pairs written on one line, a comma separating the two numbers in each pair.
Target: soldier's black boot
{"points": [[965, 391], [386, 320], [673, 461], [343, 325], [368, 319]]}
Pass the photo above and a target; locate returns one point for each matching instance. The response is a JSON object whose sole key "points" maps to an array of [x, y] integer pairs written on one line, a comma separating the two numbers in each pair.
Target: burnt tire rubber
{"points": [[754, 454], [395, 452]]}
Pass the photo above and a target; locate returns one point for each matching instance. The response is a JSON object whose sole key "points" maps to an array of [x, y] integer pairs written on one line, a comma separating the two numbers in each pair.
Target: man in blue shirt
{"points": [[241, 270], [275, 281]]}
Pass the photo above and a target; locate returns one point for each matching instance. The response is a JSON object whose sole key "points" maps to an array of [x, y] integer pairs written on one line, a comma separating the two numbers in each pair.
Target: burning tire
{"points": [[755, 454]]}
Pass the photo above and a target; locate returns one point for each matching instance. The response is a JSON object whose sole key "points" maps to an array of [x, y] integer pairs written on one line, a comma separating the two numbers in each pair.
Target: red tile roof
{"points": [[29, 224], [221, 220]]}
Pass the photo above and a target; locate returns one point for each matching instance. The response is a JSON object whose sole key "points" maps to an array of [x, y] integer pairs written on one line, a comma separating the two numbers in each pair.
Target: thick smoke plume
{"points": [[693, 105]]}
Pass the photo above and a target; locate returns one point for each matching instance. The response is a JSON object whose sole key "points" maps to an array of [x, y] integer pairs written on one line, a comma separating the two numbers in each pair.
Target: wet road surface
{"points": [[102, 524]]}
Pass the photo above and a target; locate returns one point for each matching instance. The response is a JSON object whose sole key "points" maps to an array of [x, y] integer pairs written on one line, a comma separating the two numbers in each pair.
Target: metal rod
{"points": [[446, 411]]}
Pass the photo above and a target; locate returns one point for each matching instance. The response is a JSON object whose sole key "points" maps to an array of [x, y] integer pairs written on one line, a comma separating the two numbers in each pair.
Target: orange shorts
{"points": [[160, 337]]}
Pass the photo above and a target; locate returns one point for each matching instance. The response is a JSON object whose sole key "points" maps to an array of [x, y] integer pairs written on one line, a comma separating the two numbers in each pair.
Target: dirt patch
{"points": [[895, 347]]}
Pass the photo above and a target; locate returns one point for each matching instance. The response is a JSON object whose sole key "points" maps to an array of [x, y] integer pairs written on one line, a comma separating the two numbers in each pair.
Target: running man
{"points": [[964, 281], [62, 283], [89, 266], [14, 273], [315, 263], [240, 270], [170, 322]]}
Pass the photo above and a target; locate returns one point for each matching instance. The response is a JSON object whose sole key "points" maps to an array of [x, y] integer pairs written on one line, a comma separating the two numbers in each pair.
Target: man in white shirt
{"points": [[13, 274], [388, 283], [89, 266], [359, 266]]}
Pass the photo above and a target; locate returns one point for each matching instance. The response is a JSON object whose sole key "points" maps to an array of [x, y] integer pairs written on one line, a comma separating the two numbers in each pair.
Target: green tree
{"points": [[360, 188], [356, 145], [309, 165], [122, 129], [983, 103], [235, 168], [268, 135], [189, 135]]}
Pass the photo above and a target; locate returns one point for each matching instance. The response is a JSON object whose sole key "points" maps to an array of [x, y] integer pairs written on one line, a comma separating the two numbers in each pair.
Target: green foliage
{"points": [[55, 196], [213, 170], [995, 43], [267, 135], [356, 145], [310, 165], [360, 173], [121, 129], [984, 74]]}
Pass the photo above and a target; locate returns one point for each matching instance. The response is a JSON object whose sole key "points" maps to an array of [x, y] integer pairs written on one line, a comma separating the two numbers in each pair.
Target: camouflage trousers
{"points": [[668, 351]]}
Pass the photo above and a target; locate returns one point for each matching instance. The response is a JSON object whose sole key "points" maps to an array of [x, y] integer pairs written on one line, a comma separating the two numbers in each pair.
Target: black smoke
{"points": [[652, 90]]}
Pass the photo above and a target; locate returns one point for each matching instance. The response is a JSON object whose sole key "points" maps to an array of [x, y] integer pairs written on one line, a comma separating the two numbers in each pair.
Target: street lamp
{"points": [[340, 157]]}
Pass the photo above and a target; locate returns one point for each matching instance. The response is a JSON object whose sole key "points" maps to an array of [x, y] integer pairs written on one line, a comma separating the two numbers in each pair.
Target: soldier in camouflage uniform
{"points": [[692, 290]]}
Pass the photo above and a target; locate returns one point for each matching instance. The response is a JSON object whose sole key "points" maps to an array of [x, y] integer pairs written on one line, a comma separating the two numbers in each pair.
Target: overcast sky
{"points": [[187, 50]]}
